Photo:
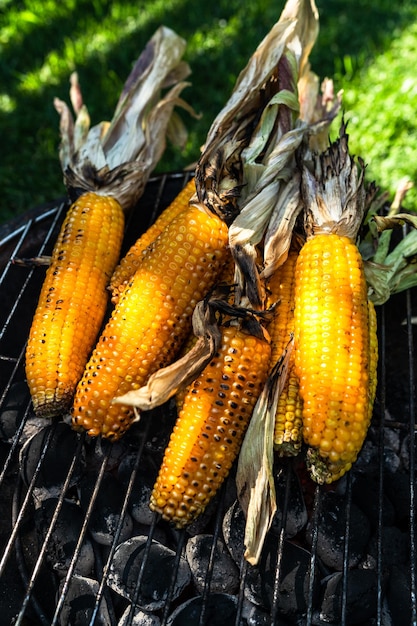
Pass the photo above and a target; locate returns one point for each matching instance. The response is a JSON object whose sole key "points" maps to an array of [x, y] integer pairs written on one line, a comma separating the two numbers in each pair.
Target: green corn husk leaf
{"points": [[397, 273], [270, 167], [117, 158], [219, 174], [254, 478], [389, 271]]}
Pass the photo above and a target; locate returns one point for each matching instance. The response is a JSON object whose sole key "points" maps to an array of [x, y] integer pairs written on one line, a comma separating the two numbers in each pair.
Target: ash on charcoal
{"points": [[56, 461], [140, 618], [64, 537], [105, 516], [13, 410], [225, 574], [398, 596], [361, 597], [141, 491], [157, 576], [80, 601], [296, 517], [220, 610], [332, 530]]}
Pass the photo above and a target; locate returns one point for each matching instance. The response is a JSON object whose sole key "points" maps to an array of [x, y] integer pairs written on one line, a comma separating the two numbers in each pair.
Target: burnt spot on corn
{"points": [[140, 337], [145, 244], [207, 436], [72, 302]]}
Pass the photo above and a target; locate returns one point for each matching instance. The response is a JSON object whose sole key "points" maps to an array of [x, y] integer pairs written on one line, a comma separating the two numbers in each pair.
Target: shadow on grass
{"points": [[228, 32]]}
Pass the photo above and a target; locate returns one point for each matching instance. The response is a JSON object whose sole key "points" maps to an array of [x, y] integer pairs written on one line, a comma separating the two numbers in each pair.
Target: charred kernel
{"points": [[73, 297], [140, 325], [211, 465]]}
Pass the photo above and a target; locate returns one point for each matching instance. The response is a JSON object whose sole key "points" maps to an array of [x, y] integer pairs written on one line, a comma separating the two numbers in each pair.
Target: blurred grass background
{"points": [[369, 48]]}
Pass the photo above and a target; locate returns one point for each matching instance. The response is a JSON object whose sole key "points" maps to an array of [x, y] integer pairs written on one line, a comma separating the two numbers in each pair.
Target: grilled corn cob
{"points": [[72, 302], [288, 418], [210, 427], [151, 320], [334, 354], [130, 262], [107, 166]]}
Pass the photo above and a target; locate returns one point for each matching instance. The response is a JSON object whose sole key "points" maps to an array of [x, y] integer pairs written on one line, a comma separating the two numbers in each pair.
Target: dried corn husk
{"points": [[117, 158]]}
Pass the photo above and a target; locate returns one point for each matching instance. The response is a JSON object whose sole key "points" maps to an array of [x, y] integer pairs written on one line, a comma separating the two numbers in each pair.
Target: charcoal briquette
{"points": [[157, 576], [80, 602], [225, 574], [398, 596], [331, 531], [220, 610], [13, 410], [365, 493], [64, 537], [296, 512], [140, 618], [233, 528], [141, 490], [105, 516], [293, 578], [395, 547], [58, 455], [361, 597]]}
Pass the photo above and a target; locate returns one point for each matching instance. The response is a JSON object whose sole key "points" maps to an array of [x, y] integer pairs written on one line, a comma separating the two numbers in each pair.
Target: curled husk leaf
{"points": [[254, 478], [219, 172], [117, 158], [295, 114]]}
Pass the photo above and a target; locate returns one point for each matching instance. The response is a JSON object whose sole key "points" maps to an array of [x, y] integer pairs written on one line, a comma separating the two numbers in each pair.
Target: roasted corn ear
{"points": [[335, 336], [72, 302], [210, 427], [288, 420], [106, 172], [151, 319]]}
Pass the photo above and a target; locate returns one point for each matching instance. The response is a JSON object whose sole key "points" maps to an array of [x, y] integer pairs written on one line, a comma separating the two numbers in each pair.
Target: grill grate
{"points": [[25, 572]]}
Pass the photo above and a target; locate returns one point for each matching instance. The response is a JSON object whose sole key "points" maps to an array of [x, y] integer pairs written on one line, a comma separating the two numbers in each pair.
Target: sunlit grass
{"points": [[43, 41]]}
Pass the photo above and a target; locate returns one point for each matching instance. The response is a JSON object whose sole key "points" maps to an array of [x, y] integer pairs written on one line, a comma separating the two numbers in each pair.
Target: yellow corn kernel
{"points": [[131, 261], [209, 431], [332, 352], [288, 419], [73, 301], [151, 320]]}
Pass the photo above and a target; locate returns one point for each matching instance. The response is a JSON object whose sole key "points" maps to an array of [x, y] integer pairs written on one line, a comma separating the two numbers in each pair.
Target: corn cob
{"points": [[151, 320], [332, 348], [288, 418], [107, 166], [335, 338], [130, 262], [73, 301], [210, 427]]}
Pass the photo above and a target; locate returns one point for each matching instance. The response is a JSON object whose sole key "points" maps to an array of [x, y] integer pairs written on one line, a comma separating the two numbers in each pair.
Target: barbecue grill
{"points": [[78, 544]]}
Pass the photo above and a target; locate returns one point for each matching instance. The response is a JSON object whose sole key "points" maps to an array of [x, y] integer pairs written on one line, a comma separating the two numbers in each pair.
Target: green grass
{"points": [[368, 46]]}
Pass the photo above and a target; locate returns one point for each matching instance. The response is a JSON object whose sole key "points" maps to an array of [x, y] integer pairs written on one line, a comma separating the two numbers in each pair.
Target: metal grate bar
{"points": [[115, 541], [160, 189], [382, 411], [43, 549], [412, 468]]}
